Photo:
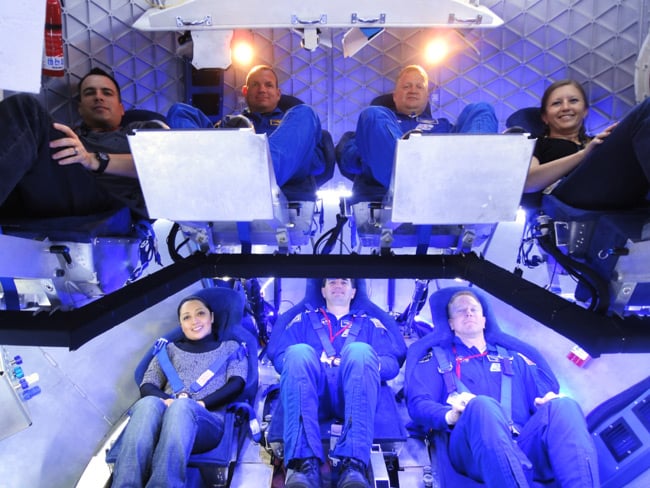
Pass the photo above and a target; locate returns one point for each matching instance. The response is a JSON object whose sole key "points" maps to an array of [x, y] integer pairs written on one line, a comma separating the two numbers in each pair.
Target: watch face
{"points": [[102, 156]]}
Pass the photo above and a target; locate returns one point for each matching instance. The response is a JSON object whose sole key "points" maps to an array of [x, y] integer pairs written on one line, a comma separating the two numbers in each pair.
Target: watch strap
{"points": [[103, 162]]}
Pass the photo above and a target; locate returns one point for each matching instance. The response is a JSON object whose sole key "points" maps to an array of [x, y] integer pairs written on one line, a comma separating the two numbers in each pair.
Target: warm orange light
{"points": [[436, 50], [242, 52]]}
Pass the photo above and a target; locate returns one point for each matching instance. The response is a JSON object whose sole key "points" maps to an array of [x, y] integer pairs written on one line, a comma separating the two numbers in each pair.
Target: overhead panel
{"points": [[208, 14]]}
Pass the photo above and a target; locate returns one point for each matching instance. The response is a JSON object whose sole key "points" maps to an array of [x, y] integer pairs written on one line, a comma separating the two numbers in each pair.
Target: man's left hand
{"points": [[71, 149]]}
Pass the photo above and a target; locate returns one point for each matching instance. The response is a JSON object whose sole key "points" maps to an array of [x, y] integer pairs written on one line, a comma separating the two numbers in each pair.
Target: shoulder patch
{"points": [[529, 361], [427, 357], [296, 320], [377, 323]]}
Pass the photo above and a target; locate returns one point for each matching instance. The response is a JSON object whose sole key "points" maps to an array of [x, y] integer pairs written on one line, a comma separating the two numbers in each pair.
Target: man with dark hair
{"points": [[331, 363], [298, 148], [48, 169], [505, 427], [369, 152]]}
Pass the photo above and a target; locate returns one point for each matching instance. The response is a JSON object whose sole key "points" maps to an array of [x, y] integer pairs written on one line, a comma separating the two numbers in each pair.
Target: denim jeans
{"points": [[554, 444], [158, 441], [378, 131], [32, 184], [310, 391]]}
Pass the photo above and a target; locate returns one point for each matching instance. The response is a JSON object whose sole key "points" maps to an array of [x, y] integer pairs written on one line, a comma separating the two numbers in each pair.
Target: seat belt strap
{"points": [[203, 379], [253, 424], [160, 351], [353, 331], [506, 382], [446, 369], [323, 335]]}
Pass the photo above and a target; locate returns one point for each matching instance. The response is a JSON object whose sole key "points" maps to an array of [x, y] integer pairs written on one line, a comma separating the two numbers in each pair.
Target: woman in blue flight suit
{"points": [[552, 441]]}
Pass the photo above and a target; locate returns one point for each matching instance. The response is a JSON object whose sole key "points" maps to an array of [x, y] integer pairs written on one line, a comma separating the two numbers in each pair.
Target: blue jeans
{"points": [[310, 391], [32, 184], [158, 441], [378, 131], [554, 444], [294, 144], [615, 174]]}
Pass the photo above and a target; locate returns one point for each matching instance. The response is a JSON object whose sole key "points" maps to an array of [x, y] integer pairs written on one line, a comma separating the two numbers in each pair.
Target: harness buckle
{"points": [[160, 344], [445, 370]]}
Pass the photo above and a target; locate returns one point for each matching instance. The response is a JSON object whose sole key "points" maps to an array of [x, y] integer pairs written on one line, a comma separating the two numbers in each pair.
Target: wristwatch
{"points": [[103, 159]]}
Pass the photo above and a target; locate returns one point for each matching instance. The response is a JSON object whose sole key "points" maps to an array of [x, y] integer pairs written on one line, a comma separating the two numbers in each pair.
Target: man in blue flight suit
{"points": [[331, 363], [295, 136], [370, 151], [537, 435]]}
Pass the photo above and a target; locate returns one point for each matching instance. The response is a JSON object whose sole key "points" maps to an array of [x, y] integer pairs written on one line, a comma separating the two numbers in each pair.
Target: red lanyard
{"points": [[329, 326], [463, 359]]}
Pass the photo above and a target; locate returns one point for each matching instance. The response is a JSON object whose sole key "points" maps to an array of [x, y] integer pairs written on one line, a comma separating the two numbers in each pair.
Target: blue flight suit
{"points": [[371, 150], [311, 390], [295, 138], [553, 441]]}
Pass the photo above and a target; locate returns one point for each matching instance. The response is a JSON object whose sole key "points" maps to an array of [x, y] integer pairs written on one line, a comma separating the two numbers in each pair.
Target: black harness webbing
{"points": [[323, 334], [453, 383]]}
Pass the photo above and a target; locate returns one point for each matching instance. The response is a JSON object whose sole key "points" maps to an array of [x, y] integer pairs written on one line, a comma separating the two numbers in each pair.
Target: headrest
{"points": [[228, 308], [438, 303], [386, 100], [529, 118], [140, 115], [314, 297], [288, 101]]}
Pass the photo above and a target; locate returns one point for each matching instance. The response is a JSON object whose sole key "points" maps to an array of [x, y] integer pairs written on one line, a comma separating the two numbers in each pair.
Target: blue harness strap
{"points": [[160, 351], [446, 369], [12, 299], [506, 382], [253, 424]]}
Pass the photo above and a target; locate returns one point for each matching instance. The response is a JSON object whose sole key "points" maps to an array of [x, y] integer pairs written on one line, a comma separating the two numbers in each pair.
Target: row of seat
{"points": [[66, 263], [215, 468]]}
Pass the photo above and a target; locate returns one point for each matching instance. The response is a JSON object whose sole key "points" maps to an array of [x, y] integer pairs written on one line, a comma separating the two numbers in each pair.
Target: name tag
{"points": [[205, 377]]}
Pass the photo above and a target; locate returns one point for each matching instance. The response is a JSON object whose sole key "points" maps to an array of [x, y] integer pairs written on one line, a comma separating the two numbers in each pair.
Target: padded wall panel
{"points": [[594, 41]]}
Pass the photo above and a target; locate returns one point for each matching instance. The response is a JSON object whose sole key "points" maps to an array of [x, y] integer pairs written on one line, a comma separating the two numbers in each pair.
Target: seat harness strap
{"points": [[453, 382], [160, 351]]}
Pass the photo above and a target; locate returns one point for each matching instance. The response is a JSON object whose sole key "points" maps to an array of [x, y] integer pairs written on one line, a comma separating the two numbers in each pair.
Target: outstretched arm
{"points": [[541, 176], [72, 151]]}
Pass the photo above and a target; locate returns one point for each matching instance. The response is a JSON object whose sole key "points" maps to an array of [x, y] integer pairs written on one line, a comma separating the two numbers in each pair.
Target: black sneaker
{"points": [[306, 473], [353, 474]]}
